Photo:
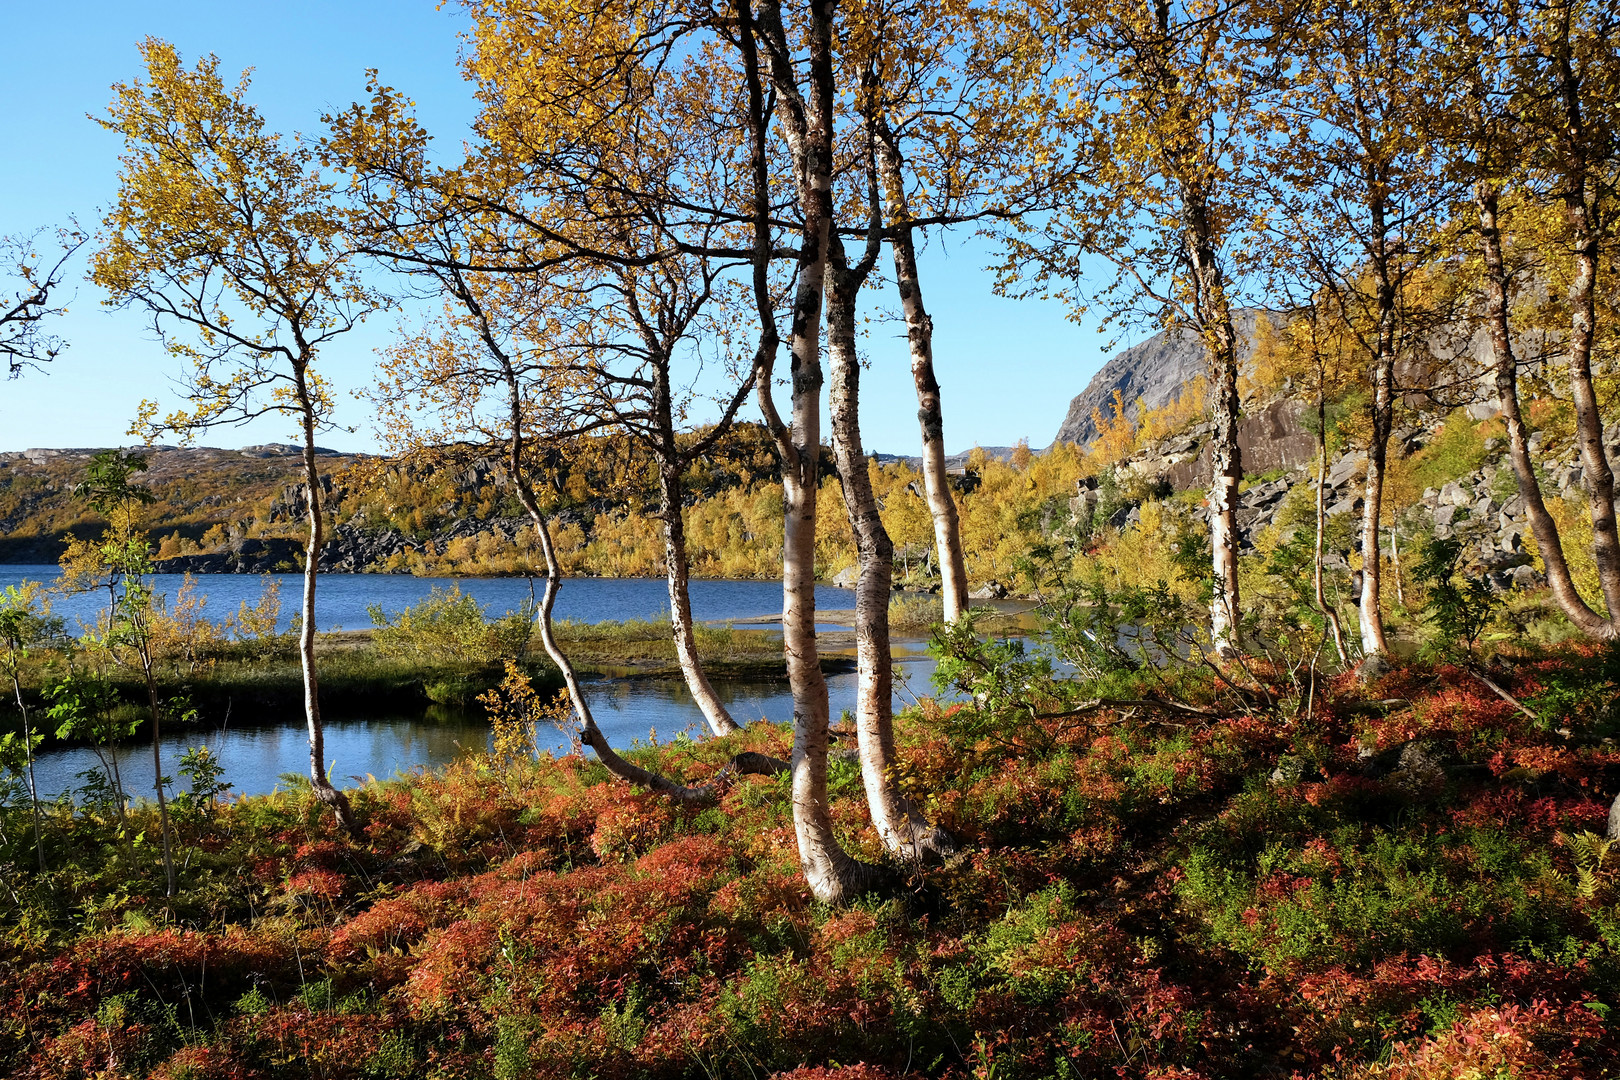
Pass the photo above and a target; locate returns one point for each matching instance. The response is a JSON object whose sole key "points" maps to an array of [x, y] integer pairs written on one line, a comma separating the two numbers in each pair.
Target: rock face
{"points": [[1482, 508], [247, 556], [1154, 371]]}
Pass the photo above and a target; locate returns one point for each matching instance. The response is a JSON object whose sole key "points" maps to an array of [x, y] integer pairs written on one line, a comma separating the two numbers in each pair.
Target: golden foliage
{"points": [[1575, 535], [517, 712], [1188, 407]]}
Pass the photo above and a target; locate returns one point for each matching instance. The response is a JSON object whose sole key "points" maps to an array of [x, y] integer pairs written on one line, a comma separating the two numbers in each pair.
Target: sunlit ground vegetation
{"points": [[1269, 882]]}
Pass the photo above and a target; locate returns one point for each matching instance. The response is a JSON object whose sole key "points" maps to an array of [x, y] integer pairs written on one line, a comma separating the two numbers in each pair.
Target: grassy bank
{"points": [[261, 682]]}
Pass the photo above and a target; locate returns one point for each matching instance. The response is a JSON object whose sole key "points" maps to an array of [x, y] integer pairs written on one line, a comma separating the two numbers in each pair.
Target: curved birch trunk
{"points": [[920, 342], [905, 832], [324, 791], [1505, 365], [590, 734], [677, 572]]}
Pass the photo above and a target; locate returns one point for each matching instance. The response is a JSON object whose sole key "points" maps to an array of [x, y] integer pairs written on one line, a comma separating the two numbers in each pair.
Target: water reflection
{"points": [[626, 709]]}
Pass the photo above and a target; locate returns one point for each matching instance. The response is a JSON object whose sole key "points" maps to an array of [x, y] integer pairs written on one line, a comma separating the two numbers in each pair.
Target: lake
{"points": [[626, 709], [341, 599]]}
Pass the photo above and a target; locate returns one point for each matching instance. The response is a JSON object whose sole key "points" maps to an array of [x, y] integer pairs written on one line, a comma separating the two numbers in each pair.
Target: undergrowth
{"points": [[1139, 895]]}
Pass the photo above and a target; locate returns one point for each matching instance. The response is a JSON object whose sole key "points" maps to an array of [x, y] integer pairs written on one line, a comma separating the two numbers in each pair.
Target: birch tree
{"points": [[804, 83], [234, 243], [620, 220], [1363, 209], [484, 375], [1532, 127], [31, 298], [1161, 119]]}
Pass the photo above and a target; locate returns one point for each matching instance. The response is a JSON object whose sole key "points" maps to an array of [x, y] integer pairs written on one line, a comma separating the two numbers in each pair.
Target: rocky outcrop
{"points": [[1152, 372], [1482, 508], [252, 555]]}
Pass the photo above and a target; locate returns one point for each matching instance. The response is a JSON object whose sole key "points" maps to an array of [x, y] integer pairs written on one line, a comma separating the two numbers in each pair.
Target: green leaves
{"points": [[1458, 607]]}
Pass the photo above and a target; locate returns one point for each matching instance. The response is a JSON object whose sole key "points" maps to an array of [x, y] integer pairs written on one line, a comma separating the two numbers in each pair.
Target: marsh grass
{"points": [[914, 615]]}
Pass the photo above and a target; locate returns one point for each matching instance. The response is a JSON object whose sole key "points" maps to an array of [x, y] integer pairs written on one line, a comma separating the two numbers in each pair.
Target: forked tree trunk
{"points": [[920, 342], [324, 791], [832, 875], [905, 832]]}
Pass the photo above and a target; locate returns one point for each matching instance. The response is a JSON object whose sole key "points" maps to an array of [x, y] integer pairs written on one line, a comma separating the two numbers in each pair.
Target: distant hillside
{"points": [[1152, 373], [243, 511], [953, 462], [196, 489]]}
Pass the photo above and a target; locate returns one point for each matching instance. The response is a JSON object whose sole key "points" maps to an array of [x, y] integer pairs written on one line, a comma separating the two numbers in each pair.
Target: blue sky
{"points": [[1008, 368]]}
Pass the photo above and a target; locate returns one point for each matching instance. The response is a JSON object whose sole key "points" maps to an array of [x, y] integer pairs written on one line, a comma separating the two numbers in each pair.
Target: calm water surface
{"points": [[626, 709], [341, 599], [357, 746]]}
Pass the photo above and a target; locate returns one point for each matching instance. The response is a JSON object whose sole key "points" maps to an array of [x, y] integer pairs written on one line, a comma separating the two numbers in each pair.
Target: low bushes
{"points": [[1140, 895]]}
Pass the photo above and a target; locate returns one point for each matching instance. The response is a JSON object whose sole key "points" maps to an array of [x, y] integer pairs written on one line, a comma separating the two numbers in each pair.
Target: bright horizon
{"points": [[1008, 368]]}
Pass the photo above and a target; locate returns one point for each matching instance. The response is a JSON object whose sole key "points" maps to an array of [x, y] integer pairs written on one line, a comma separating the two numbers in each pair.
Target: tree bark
{"points": [[1226, 457], [1329, 612], [1597, 473], [905, 832], [920, 342], [1505, 365], [324, 791], [676, 566], [157, 768], [1386, 348], [832, 875], [680, 606], [1383, 421]]}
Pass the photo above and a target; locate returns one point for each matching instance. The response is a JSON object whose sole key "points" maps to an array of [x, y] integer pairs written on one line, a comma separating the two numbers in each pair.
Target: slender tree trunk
{"points": [[1226, 458], [28, 759], [590, 734], [322, 787], [1505, 365], [1371, 609], [1395, 556], [680, 604], [110, 764], [1329, 612], [904, 831], [832, 875], [1383, 413], [920, 341], [1596, 470], [157, 770]]}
